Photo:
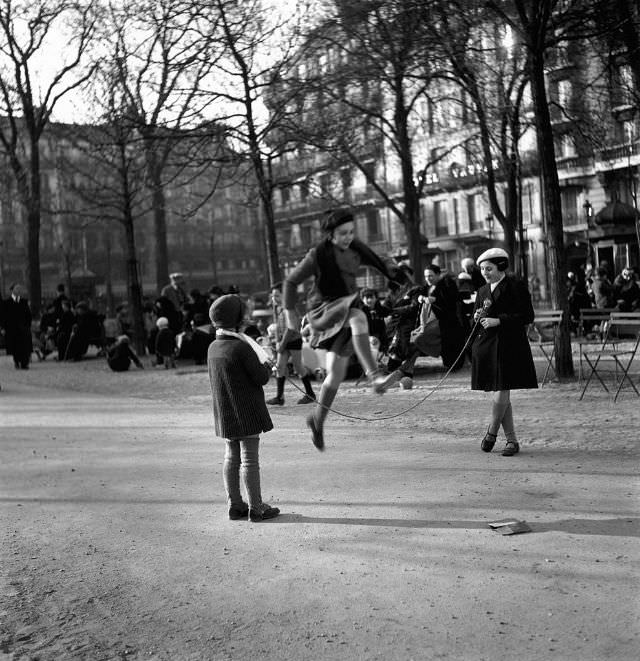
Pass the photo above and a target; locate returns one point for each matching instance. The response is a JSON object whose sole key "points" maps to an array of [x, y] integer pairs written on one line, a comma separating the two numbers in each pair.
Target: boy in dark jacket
{"points": [[238, 369]]}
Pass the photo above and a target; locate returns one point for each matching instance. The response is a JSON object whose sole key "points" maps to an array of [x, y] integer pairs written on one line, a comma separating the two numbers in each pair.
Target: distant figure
{"points": [[176, 293], [602, 289], [16, 320], [469, 266], [165, 344], [626, 291], [288, 346], [120, 355]]}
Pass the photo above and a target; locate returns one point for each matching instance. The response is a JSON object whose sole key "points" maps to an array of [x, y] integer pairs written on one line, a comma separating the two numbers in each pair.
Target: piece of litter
{"points": [[510, 527]]}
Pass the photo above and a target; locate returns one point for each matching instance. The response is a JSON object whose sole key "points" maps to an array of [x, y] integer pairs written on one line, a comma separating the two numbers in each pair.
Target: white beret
{"points": [[492, 253]]}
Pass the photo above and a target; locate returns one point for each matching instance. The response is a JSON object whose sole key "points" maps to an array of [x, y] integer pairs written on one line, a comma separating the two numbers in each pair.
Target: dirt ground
{"points": [[116, 543]]}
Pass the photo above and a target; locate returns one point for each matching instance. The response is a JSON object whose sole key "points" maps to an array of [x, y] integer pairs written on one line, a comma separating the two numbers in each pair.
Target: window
{"points": [[440, 217], [369, 172], [285, 194], [565, 95], [570, 209], [474, 212], [374, 232], [303, 189], [456, 215], [325, 182], [345, 178], [622, 86], [565, 147]]}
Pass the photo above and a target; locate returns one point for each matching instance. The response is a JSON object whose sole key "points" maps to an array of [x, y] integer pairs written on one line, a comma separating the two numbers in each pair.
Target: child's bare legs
{"points": [[336, 371], [241, 459], [359, 325]]}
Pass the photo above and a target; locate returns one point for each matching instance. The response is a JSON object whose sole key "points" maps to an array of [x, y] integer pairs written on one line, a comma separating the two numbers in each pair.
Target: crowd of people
{"points": [[598, 288], [176, 325]]}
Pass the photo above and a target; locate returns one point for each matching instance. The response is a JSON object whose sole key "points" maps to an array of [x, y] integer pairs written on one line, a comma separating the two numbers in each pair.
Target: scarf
{"points": [[258, 350]]}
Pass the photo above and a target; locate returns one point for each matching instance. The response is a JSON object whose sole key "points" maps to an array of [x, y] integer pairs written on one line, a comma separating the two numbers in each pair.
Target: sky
{"points": [[57, 49]]}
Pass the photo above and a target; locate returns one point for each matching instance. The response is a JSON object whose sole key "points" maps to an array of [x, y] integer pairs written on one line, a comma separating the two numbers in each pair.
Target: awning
{"points": [[616, 213]]}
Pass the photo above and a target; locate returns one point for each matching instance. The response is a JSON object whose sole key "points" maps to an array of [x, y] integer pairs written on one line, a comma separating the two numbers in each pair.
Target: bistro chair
{"points": [[592, 330], [617, 353], [545, 328]]}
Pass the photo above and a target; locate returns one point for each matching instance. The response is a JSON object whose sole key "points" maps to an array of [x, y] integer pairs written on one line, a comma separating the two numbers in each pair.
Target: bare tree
{"points": [[259, 45], [541, 26], [29, 95], [161, 64], [363, 102], [108, 181], [485, 62]]}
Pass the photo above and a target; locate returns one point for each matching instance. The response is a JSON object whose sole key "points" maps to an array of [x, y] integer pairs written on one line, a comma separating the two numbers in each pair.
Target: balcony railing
{"points": [[618, 152]]}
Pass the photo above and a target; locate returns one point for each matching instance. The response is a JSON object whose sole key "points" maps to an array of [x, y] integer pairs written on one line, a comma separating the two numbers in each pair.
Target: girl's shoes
{"points": [[488, 442], [316, 432], [511, 448]]}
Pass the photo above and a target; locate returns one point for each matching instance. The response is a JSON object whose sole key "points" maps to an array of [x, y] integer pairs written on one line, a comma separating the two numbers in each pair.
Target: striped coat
{"points": [[236, 377]]}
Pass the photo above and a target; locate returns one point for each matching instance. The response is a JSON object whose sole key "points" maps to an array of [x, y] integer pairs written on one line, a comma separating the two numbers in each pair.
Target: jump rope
{"points": [[486, 305]]}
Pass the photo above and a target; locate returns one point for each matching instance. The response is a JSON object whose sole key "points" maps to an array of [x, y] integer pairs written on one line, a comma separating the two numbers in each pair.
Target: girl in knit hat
{"points": [[238, 369]]}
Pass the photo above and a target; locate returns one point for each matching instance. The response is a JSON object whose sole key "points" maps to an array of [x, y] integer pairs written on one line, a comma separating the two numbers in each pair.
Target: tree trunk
{"points": [[34, 281], [133, 287], [553, 211], [273, 267], [159, 221]]}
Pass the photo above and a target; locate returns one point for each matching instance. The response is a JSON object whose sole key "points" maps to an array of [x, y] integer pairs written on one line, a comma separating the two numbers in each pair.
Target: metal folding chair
{"points": [[594, 323], [622, 325], [545, 323]]}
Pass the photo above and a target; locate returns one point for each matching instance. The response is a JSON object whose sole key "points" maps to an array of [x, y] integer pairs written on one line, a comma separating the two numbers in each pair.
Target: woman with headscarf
{"points": [[334, 309], [501, 355]]}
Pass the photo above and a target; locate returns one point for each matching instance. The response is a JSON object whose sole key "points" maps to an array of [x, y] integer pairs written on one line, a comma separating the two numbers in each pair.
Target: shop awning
{"points": [[616, 213]]}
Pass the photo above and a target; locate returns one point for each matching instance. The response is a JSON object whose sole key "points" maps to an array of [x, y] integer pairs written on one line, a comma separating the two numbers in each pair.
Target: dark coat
{"points": [[16, 319], [446, 310], [120, 356], [236, 377], [165, 342], [501, 356]]}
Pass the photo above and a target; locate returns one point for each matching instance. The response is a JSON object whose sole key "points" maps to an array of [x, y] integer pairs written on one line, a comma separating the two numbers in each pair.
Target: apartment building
{"points": [[214, 237], [593, 99]]}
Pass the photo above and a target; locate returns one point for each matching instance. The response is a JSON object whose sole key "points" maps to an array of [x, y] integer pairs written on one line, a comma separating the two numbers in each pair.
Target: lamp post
{"points": [[588, 212]]}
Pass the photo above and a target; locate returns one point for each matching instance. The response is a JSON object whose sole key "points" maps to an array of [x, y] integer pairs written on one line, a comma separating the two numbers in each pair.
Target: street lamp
{"points": [[588, 212]]}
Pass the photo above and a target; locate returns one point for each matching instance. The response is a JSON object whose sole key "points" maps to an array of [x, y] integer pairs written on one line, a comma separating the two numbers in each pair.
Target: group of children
{"points": [[239, 368]]}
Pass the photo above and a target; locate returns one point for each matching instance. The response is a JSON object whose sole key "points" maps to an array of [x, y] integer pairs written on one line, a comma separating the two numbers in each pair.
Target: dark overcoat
{"points": [[501, 355], [16, 319], [237, 376]]}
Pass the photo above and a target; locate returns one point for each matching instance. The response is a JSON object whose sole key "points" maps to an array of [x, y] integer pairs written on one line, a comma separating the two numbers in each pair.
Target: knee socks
{"points": [[306, 382], [280, 387]]}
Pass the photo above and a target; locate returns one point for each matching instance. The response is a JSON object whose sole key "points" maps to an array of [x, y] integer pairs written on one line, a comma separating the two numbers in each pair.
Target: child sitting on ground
{"points": [[120, 355], [238, 369]]}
